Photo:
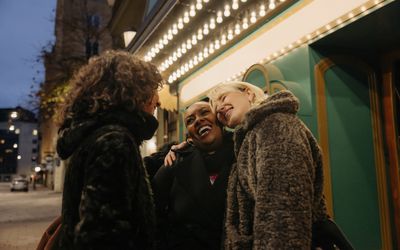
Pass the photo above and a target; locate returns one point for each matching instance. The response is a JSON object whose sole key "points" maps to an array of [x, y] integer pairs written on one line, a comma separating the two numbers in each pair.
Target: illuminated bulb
{"points": [[227, 11], [186, 17], [206, 1], [351, 15], [245, 24], [328, 27], [184, 50], [262, 10], [199, 35], [212, 23], [219, 17], [199, 5], [180, 23], [157, 50], [211, 48], [339, 21], [230, 35], [363, 8], [237, 29], [179, 53], [174, 29], [189, 43], [194, 40], [174, 57], [205, 29], [170, 36], [192, 11], [223, 40], [217, 45], [290, 46], [235, 5], [243, 1], [271, 5], [186, 67], [253, 17], [170, 80]]}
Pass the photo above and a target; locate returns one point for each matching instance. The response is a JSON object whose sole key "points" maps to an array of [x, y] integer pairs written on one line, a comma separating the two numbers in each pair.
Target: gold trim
{"points": [[320, 70], [322, 119], [263, 70], [276, 86]]}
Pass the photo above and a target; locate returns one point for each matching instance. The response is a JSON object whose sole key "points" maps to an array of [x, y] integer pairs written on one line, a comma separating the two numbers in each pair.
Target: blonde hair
{"points": [[235, 86]]}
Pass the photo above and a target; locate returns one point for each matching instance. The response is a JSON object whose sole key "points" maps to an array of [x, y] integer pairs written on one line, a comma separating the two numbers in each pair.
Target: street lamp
{"points": [[14, 115], [37, 169]]}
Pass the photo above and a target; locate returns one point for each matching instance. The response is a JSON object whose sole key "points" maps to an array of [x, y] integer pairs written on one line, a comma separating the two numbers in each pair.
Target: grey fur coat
{"points": [[275, 190]]}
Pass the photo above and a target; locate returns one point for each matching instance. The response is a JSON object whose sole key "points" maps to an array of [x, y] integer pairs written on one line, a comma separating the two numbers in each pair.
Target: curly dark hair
{"points": [[115, 79]]}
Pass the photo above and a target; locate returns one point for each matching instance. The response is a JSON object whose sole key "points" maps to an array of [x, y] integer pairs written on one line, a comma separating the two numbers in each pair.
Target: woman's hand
{"points": [[171, 156]]}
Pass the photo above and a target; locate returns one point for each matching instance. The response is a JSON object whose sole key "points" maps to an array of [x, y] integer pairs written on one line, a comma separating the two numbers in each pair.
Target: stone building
{"points": [[80, 32]]}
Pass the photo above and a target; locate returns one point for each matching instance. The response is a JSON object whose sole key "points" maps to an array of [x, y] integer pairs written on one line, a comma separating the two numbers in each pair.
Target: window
{"points": [[34, 150], [35, 132], [34, 141]]}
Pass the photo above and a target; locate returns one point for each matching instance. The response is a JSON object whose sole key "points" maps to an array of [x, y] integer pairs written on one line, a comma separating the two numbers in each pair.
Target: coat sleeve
{"points": [[283, 194], [111, 174]]}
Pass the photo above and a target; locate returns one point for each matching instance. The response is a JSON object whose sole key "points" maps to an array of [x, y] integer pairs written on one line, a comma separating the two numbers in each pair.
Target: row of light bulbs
{"points": [[181, 21], [321, 32], [199, 35], [179, 24], [213, 46]]}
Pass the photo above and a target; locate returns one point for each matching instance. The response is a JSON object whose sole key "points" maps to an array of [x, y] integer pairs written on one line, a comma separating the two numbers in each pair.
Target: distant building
{"points": [[81, 32], [19, 142]]}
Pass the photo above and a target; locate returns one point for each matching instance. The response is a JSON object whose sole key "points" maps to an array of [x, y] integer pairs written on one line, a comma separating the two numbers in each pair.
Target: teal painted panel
{"points": [[352, 159], [257, 78]]}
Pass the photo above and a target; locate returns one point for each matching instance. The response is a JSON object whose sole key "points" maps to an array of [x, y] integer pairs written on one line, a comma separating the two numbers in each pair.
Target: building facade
{"points": [[19, 143], [81, 32], [340, 58]]}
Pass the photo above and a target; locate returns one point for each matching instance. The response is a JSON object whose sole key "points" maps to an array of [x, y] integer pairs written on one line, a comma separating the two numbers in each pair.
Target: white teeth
{"points": [[204, 129]]}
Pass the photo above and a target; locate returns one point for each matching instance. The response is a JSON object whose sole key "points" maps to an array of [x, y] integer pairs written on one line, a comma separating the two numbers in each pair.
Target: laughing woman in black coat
{"points": [[107, 200], [190, 195]]}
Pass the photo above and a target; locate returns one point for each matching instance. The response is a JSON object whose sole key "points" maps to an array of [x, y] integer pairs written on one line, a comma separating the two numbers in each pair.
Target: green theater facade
{"points": [[342, 60]]}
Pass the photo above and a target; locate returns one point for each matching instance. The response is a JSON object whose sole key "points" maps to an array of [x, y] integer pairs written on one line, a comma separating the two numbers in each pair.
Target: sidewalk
{"points": [[21, 235], [25, 216]]}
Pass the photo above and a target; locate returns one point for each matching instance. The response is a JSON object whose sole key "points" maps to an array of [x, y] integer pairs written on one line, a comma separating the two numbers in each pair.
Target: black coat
{"points": [[191, 210], [107, 201]]}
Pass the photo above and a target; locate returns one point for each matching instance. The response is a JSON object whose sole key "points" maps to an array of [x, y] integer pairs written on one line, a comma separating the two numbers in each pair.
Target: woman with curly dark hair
{"points": [[107, 199]]}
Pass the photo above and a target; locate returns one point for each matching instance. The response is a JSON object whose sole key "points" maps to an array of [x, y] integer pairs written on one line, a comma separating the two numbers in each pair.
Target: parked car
{"points": [[19, 184]]}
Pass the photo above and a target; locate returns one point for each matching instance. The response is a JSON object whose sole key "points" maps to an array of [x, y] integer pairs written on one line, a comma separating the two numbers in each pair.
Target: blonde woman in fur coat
{"points": [[275, 189]]}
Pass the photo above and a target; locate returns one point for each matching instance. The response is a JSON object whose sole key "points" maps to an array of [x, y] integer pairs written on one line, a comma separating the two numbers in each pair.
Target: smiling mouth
{"points": [[204, 130]]}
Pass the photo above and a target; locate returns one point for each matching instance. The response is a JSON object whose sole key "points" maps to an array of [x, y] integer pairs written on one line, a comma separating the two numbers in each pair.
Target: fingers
{"points": [[181, 145], [169, 158]]}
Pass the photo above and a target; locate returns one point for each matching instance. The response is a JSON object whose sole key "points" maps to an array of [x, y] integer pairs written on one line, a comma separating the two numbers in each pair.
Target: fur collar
{"points": [[280, 102]]}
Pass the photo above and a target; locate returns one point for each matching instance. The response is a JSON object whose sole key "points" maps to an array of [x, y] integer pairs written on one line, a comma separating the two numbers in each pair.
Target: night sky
{"points": [[25, 27]]}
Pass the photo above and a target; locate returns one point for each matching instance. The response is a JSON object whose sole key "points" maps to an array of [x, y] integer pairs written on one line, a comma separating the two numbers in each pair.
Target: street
{"points": [[25, 216]]}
